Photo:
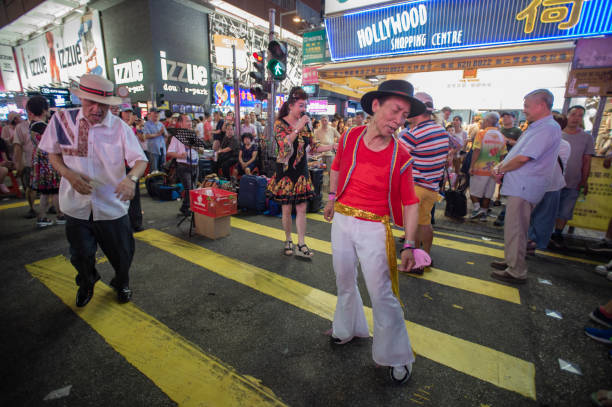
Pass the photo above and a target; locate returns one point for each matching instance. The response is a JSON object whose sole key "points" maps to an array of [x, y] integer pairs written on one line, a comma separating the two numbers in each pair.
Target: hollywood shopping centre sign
{"points": [[431, 25]]}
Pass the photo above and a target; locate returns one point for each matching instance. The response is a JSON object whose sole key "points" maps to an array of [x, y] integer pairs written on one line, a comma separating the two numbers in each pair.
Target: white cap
{"points": [[426, 99]]}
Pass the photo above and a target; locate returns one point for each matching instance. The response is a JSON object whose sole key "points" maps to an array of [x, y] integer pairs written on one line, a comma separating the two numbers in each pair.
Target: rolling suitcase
{"points": [[252, 193], [315, 203]]}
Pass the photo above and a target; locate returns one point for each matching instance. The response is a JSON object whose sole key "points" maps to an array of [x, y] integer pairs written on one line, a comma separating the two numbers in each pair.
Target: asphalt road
{"points": [[232, 321]]}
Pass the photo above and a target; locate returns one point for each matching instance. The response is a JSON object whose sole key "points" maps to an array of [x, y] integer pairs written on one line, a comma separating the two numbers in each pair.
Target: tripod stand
{"points": [[190, 140]]}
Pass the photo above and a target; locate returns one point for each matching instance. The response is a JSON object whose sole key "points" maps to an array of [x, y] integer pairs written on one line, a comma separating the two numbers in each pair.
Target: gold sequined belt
{"points": [[391, 255]]}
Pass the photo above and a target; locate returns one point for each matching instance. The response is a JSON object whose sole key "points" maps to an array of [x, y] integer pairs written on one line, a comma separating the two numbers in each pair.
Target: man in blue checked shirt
{"points": [[155, 133]]}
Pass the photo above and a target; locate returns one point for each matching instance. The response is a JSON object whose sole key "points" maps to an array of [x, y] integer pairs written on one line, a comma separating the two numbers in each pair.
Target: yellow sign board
{"points": [[454, 64], [595, 210]]}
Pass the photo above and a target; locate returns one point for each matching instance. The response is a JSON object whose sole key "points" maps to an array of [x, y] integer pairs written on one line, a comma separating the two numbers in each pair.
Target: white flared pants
{"points": [[353, 241]]}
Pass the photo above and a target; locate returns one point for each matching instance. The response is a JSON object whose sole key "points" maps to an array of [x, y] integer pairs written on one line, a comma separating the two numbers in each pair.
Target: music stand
{"points": [[190, 140]]}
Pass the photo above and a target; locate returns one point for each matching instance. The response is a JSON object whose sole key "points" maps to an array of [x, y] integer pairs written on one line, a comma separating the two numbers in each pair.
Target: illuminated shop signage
{"points": [[224, 96], [430, 25], [130, 73], [63, 53], [183, 77]]}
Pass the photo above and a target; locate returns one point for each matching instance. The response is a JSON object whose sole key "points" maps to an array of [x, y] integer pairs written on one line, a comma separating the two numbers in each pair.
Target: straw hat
{"points": [[97, 89]]}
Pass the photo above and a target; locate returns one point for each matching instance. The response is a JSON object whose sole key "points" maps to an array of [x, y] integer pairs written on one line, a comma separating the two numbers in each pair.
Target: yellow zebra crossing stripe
{"points": [[178, 367], [468, 247], [500, 369], [471, 284], [19, 204]]}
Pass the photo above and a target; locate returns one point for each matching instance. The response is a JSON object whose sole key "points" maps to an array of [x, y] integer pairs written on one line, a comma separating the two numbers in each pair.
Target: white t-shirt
{"points": [[200, 130], [179, 148], [558, 180]]}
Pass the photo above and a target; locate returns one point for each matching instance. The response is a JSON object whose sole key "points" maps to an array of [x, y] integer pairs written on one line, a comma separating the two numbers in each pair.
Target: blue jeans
{"points": [[156, 160], [543, 219]]}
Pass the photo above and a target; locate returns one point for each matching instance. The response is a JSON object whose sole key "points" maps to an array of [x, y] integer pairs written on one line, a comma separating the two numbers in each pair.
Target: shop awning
{"points": [[355, 78], [41, 18]]}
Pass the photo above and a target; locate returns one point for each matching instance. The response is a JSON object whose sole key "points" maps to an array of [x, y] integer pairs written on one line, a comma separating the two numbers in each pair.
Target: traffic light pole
{"points": [[272, 95], [236, 96]]}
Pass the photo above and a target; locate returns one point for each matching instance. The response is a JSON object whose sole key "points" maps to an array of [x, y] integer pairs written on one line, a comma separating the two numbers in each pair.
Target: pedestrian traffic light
{"points": [[278, 59], [259, 75]]}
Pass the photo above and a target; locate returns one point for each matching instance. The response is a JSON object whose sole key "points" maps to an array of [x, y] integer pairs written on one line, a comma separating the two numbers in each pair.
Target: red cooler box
{"points": [[213, 202]]}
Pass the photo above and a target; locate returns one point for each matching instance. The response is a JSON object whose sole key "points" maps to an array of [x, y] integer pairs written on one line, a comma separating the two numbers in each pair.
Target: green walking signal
{"points": [[278, 60]]}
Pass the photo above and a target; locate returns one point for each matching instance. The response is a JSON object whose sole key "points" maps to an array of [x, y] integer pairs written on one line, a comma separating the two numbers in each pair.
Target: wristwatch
{"points": [[134, 178]]}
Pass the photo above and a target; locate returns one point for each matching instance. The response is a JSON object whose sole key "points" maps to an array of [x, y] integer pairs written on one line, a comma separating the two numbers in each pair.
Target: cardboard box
{"points": [[213, 202], [212, 228]]}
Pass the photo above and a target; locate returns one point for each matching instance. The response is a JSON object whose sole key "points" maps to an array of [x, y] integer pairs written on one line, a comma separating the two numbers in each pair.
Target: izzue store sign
{"points": [[438, 25]]}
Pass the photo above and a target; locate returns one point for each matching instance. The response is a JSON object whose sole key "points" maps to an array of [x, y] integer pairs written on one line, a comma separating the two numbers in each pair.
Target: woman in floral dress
{"points": [[45, 180], [291, 183]]}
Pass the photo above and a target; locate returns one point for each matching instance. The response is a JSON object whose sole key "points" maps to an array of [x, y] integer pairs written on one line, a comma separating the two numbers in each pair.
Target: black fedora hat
{"points": [[394, 87]]}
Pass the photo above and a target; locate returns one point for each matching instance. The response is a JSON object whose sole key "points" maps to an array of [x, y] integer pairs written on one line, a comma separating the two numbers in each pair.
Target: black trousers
{"points": [[114, 238], [183, 173], [135, 210], [224, 165]]}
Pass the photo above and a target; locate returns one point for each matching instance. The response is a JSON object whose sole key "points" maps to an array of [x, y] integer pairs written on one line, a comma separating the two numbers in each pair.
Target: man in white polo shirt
{"points": [[89, 147], [186, 160]]}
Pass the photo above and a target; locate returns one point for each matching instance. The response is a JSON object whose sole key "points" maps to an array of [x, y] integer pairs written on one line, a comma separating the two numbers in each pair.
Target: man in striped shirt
{"points": [[428, 144]]}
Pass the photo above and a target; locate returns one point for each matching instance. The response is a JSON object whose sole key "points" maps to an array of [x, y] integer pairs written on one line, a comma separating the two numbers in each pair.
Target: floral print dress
{"points": [[45, 179], [291, 183]]}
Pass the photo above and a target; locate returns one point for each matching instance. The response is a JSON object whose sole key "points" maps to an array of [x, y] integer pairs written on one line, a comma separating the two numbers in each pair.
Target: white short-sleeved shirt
{"points": [[558, 180], [200, 130], [100, 154], [179, 148], [540, 142], [22, 137]]}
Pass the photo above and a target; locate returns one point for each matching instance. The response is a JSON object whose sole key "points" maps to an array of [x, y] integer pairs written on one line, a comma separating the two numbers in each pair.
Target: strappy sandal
{"points": [[304, 251], [288, 248]]}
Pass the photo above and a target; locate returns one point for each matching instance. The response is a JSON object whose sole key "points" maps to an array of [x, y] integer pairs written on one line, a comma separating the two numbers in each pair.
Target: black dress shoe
{"points": [[137, 228], [124, 295], [84, 295], [499, 265]]}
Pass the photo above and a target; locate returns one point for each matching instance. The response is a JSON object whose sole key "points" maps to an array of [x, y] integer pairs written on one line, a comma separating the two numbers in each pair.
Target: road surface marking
{"points": [[472, 248], [492, 366], [459, 281], [21, 204], [17, 205], [188, 375]]}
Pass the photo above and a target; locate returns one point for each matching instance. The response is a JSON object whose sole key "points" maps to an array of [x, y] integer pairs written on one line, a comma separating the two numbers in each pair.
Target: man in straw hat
{"points": [[370, 187], [89, 147]]}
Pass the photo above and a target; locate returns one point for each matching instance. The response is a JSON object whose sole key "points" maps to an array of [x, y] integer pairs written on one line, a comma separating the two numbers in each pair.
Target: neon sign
{"points": [[419, 26]]}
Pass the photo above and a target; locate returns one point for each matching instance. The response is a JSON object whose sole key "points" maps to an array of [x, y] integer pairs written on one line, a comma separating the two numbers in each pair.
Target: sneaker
{"points": [[476, 213], [60, 220], [600, 335], [604, 246], [604, 269], [400, 375], [483, 217], [44, 222], [600, 318]]}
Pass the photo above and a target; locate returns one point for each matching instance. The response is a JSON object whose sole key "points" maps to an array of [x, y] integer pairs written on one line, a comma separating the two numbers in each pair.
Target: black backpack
{"points": [[456, 201]]}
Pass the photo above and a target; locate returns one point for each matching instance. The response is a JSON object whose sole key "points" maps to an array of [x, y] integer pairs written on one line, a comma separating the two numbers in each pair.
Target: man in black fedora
{"points": [[370, 187]]}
